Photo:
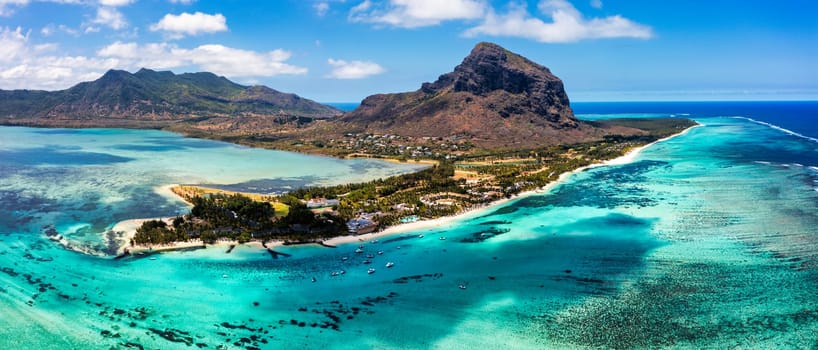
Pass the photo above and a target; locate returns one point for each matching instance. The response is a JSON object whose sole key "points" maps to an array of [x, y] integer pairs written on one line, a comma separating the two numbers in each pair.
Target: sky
{"points": [[345, 50]]}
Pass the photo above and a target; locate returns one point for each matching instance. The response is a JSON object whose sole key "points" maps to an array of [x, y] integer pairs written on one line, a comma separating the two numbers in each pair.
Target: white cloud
{"points": [[567, 25], [353, 69], [51, 29], [321, 8], [597, 4], [23, 65], [12, 44], [215, 58], [110, 17], [242, 63], [40, 66], [185, 2], [416, 13], [134, 56], [4, 4], [178, 26], [115, 3]]}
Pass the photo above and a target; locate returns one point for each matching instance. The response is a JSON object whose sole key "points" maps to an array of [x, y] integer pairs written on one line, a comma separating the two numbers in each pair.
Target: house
{"points": [[321, 203], [361, 225]]}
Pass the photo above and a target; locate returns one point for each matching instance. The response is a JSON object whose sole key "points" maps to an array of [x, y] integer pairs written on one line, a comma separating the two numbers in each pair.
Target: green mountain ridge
{"points": [[153, 97]]}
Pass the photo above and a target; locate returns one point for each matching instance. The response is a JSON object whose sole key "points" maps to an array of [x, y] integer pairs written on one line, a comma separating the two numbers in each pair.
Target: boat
{"points": [[420, 236], [398, 247], [342, 272], [370, 271], [333, 274], [390, 264], [367, 262], [462, 286], [370, 256], [224, 276], [313, 279], [374, 241], [153, 258], [380, 252], [344, 259], [359, 251], [442, 238]]}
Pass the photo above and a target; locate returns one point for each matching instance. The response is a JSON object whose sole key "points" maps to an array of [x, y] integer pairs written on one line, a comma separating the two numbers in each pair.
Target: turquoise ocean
{"points": [[706, 240]]}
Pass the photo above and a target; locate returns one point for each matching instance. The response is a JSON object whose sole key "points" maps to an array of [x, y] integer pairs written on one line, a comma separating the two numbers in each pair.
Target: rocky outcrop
{"points": [[494, 97]]}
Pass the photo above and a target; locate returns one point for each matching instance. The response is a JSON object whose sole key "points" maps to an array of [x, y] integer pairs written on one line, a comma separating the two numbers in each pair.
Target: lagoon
{"points": [[706, 240]]}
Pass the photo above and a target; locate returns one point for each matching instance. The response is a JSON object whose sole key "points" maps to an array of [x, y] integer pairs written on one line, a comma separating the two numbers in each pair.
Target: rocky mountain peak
{"points": [[495, 95], [490, 67]]}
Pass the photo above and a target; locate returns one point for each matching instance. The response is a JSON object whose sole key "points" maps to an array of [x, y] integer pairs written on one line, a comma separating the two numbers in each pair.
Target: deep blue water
{"points": [[798, 116], [344, 106]]}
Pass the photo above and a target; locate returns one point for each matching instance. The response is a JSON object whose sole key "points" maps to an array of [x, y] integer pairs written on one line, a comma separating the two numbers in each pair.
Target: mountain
{"points": [[494, 97], [153, 98]]}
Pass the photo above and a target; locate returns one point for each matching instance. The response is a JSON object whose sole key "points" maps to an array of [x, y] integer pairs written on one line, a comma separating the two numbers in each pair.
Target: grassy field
{"points": [[187, 191]]}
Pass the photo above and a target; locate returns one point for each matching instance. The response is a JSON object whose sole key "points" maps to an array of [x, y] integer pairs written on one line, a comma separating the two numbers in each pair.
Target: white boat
{"points": [[370, 271], [224, 276], [369, 256], [344, 259], [420, 236], [390, 264], [442, 238], [367, 262], [359, 251], [462, 286], [333, 274], [380, 252]]}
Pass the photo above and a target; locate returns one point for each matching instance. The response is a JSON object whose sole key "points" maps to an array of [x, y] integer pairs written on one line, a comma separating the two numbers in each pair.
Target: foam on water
{"points": [[776, 127]]}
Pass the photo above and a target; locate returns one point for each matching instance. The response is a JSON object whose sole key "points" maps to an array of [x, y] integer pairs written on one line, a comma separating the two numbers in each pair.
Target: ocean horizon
{"points": [[705, 240]]}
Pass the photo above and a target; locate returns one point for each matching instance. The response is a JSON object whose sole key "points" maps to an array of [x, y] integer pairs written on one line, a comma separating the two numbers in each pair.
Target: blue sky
{"points": [[344, 50]]}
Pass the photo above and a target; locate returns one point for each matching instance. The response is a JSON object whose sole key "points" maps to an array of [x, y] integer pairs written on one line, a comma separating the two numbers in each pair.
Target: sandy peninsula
{"points": [[127, 229]]}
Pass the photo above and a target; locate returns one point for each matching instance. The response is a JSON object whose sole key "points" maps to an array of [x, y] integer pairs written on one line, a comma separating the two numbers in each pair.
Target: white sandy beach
{"points": [[128, 227], [447, 221]]}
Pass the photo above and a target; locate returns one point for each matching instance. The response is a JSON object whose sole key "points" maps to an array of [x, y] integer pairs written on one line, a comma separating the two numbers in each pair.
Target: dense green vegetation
{"points": [[661, 127], [239, 218], [149, 98]]}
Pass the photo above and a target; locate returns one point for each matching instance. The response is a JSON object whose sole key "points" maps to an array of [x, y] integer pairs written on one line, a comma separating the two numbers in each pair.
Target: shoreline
{"points": [[128, 227], [446, 221]]}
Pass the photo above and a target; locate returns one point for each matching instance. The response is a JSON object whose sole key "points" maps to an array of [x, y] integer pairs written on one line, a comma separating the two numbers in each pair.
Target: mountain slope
{"points": [[494, 97], [154, 97]]}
